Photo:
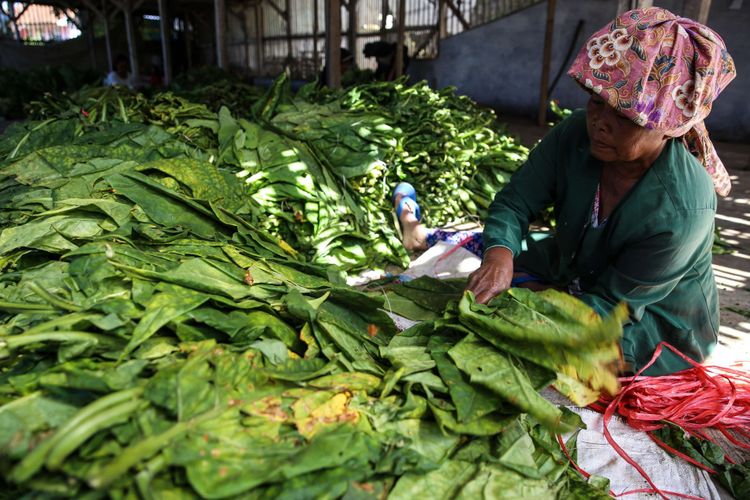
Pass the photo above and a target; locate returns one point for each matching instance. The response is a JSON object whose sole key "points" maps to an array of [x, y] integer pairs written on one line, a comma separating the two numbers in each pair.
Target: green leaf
{"points": [[441, 484], [274, 350], [496, 371], [170, 303]]}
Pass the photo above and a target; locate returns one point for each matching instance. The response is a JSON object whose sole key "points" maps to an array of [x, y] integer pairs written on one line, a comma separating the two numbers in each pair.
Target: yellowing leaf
{"points": [[318, 410]]}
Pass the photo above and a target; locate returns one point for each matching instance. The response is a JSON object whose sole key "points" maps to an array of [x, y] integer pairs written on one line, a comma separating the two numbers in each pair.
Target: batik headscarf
{"points": [[663, 72]]}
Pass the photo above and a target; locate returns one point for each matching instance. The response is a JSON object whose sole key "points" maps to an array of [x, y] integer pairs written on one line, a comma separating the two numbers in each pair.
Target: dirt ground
{"points": [[732, 270]]}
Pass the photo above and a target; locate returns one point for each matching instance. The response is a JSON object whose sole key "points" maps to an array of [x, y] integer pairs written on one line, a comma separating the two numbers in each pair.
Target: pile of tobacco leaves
{"points": [[165, 334], [320, 166]]}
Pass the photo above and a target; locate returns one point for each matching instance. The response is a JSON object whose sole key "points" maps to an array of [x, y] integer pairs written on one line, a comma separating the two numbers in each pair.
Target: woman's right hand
{"points": [[493, 276]]}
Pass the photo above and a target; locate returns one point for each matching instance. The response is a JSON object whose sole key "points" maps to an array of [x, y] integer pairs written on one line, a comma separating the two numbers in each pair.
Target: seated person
{"points": [[632, 180], [385, 55], [121, 74], [347, 63]]}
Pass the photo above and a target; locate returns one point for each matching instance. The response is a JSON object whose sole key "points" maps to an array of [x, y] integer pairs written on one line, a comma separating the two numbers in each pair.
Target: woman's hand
{"points": [[493, 276]]}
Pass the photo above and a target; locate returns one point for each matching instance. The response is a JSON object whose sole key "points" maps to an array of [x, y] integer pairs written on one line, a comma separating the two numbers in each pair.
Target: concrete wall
{"points": [[499, 64]]}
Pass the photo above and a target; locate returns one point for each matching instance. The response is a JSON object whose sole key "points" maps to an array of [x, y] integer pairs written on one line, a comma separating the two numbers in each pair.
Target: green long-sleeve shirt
{"points": [[654, 252]]}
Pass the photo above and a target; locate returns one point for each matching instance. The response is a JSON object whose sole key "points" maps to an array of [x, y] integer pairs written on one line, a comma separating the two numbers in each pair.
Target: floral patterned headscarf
{"points": [[663, 72]]}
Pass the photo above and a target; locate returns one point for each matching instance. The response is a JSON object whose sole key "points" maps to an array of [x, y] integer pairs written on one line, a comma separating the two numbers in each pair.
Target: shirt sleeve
{"points": [[647, 271], [530, 189]]}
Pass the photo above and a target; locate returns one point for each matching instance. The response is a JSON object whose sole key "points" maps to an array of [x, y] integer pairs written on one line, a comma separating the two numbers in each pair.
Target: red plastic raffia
{"points": [[696, 399]]}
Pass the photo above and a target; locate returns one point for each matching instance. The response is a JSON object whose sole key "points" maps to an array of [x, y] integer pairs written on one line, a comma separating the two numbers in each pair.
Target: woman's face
{"points": [[616, 138]]}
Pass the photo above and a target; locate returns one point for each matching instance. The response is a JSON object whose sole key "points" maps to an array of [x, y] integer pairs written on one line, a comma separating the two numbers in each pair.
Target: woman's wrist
{"points": [[497, 254]]}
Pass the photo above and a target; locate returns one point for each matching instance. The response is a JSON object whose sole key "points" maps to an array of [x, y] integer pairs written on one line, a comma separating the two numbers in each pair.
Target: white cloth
{"points": [[669, 473], [114, 79]]}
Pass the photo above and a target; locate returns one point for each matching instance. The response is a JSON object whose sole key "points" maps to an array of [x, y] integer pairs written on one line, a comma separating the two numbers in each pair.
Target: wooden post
{"points": [[220, 23], [107, 42], [442, 20], [188, 32], [166, 41], [127, 12], [400, 38], [101, 14], [316, 55], [459, 15], [383, 16], [544, 85], [697, 10], [333, 43], [89, 27], [626, 5], [352, 31], [288, 19], [245, 41], [259, 37]]}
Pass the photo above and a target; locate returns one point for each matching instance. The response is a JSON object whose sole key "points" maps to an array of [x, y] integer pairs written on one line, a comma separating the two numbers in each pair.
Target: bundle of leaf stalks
{"points": [[457, 153], [216, 88], [156, 342]]}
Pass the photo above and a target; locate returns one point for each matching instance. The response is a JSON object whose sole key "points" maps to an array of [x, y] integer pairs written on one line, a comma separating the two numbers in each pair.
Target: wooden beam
{"points": [[259, 53], [626, 5], [400, 38], [352, 31], [245, 40], [188, 41], [127, 12], [333, 43], [457, 13], [88, 26], [433, 33], [275, 7], [166, 41], [697, 10], [420, 28], [442, 19], [383, 17], [220, 25], [102, 15], [316, 55], [11, 14], [107, 41], [544, 85], [288, 20]]}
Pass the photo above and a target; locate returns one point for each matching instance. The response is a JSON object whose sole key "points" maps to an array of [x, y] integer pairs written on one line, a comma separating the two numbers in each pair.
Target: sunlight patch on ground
{"points": [[734, 220]]}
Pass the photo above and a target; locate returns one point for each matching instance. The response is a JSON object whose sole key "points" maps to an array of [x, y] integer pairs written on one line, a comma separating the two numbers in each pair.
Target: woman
{"points": [[120, 75], [632, 182]]}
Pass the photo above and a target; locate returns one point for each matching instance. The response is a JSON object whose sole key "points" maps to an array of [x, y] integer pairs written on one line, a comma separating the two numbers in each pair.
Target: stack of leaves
{"points": [[23, 86], [547, 336], [215, 88], [155, 341], [321, 165], [453, 151], [313, 203]]}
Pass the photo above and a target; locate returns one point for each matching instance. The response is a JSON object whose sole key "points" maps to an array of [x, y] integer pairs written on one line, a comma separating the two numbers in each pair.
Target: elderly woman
{"points": [[632, 181]]}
